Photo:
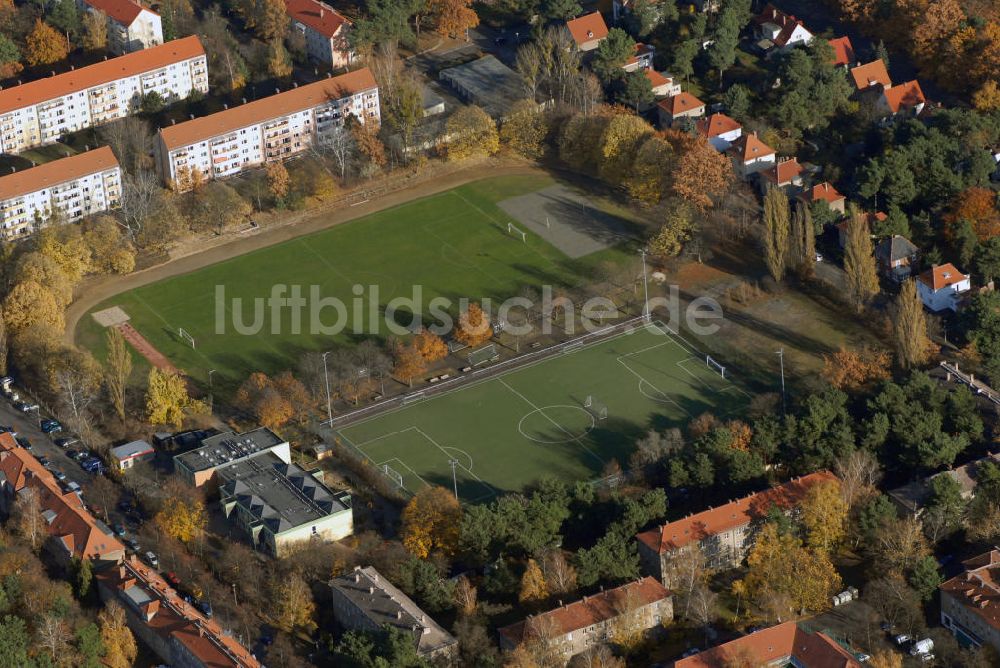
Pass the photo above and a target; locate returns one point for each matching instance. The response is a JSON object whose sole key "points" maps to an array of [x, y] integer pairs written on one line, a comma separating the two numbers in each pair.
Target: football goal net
{"points": [[487, 353], [595, 407], [513, 231], [393, 475], [715, 366], [181, 332]]}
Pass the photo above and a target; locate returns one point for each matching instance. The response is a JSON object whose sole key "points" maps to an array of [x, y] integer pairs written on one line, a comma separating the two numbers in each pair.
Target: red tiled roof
{"points": [[131, 64], [122, 11], [55, 172], [905, 95], [71, 523], [681, 103], [870, 74], [715, 125], [843, 50], [786, 22], [977, 588], [587, 28], [640, 50], [171, 617], [770, 646], [317, 15], [590, 610], [825, 192], [783, 172], [748, 148], [941, 276], [738, 513], [296, 99], [656, 79]]}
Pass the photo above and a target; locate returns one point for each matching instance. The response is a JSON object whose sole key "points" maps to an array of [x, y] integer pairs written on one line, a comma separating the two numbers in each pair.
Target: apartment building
{"points": [[786, 644], [576, 627], [363, 600], [131, 27], [174, 629], [970, 602], [76, 186], [725, 534], [265, 130], [325, 31], [41, 111]]}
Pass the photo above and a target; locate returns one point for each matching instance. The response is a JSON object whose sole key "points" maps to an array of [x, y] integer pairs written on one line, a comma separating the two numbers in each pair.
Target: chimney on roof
{"points": [[399, 614], [225, 105], [173, 122], [371, 590], [105, 57], [52, 73], [244, 100], [276, 90], [191, 116], [295, 84], [322, 12]]}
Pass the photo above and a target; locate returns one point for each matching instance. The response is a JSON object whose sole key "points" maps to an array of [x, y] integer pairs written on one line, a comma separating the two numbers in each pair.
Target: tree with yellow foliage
{"points": [[279, 63], [523, 129], [271, 21], [293, 604], [117, 370], [66, 246], [407, 362], [987, 98], [473, 326], [182, 520], [886, 659], [649, 180], [824, 515], [167, 400], [28, 304], [119, 643], [277, 179], [619, 143], [95, 30], [431, 346], [431, 522], [471, 132], [45, 45], [674, 233], [533, 588]]}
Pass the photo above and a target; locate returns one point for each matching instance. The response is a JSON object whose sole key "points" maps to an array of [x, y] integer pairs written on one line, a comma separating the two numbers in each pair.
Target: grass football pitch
{"points": [[454, 244], [504, 432]]}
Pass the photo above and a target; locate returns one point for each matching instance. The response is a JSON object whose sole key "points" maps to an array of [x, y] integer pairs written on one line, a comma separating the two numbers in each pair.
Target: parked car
{"points": [[60, 476], [51, 426], [7, 429], [43, 460], [25, 407], [72, 487], [922, 647], [151, 559], [132, 544], [902, 639], [65, 442], [24, 442], [125, 506], [172, 579], [204, 607], [119, 530], [92, 464]]}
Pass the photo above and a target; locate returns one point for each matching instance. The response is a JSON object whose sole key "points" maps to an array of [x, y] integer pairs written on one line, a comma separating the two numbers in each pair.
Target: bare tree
{"points": [[27, 516], [3, 348], [53, 635], [702, 609], [131, 140], [118, 370], [533, 62], [375, 360], [560, 576], [139, 191], [859, 474], [339, 144], [77, 389], [684, 572]]}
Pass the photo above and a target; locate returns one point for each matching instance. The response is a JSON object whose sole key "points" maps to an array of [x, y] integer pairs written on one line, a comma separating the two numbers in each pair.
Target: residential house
{"points": [[780, 31], [73, 533], [41, 111], [662, 85], [970, 602], [642, 59], [825, 192], [786, 644], [725, 534], [786, 173], [750, 155], [720, 131], [870, 220], [912, 497], [363, 600], [843, 51], [895, 256], [128, 455], [871, 76], [941, 286], [325, 31], [903, 98], [177, 632], [266, 130], [77, 186], [587, 31], [131, 27], [576, 627], [676, 107]]}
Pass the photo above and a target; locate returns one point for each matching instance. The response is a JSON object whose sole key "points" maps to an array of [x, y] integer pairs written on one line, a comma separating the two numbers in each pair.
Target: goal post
{"points": [[514, 231], [596, 408], [487, 353], [715, 366], [183, 333], [393, 475]]}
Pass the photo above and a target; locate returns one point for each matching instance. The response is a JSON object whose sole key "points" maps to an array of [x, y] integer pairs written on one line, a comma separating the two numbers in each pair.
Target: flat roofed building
{"points": [[278, 504], [325, 31], [273, 128], [77, 186], [128, 455], [131, 27], [41, 111], [198, 466], [487, 83], [364, 600]]}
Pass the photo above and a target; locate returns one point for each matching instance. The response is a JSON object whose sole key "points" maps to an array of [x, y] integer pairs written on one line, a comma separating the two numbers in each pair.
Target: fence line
{"points": [[970, 381]]}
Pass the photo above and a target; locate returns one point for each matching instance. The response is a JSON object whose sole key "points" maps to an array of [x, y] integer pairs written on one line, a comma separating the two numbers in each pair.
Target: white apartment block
{"points": [[131, 27], [324, 29], [77, 186], [41, 111], [265, 130]]}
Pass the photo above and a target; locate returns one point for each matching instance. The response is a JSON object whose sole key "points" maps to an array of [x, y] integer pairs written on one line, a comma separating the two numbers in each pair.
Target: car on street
{"points": [[25, 407], [7, 429], [204, 607], [92, 465], [172, 579], [72, 486], [24, 443], [151, 559], [82, 454], [43, 460], [132, 544], [119, 530], [51, 426], [60, 476], [65, 442]]}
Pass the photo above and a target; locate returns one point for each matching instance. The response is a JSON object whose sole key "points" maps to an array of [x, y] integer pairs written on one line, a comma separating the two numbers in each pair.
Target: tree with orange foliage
{"points": [[431, 522], [431, 346], [742, 434], [701, 425], [702, 172], [407, 362], [851, 370], [366, 139], [273, 402], [473, 326], [979, 207], [45, 45], [938, 21], [453, 17]]}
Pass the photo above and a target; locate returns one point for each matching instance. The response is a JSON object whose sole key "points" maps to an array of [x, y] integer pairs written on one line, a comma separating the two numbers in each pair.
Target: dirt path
{"points": [[95, 290]]}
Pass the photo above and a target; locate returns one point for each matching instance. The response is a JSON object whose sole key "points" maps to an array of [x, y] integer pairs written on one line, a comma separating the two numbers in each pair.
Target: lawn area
{"points": [[453, 245], [505, 432]]}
